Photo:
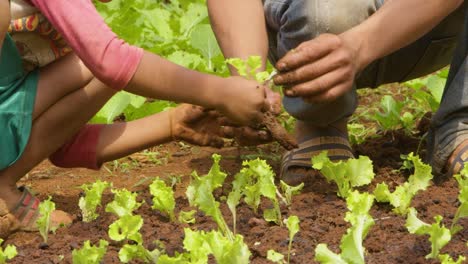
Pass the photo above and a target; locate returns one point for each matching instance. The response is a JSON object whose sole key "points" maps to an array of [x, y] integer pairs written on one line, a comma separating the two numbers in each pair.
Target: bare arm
{"points": [[239, 27], [323, 69], [4, 20]]}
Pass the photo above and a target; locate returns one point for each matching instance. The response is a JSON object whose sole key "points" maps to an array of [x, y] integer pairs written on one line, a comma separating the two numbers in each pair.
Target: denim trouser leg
{"points": [[291, 22], [449, 125]]}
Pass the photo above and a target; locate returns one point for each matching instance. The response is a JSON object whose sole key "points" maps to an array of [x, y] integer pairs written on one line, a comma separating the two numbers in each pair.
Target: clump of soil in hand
{"points": [[278, 132]]}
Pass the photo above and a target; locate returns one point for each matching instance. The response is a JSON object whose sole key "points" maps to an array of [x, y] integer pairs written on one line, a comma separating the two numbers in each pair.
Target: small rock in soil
{"points": [[74, 245], [256, 222]]}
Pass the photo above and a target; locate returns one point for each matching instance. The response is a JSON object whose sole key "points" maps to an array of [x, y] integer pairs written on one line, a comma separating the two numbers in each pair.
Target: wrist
{"points": [[357, 42]]}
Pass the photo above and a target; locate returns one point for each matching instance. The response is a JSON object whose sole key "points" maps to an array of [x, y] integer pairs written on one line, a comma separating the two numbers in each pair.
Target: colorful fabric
{"points": [[80, 151], [17, 95], [109, 58]]}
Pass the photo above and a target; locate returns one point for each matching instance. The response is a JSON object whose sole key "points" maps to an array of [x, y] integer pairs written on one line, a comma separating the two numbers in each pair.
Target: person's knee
{"points": [[321, 114]]}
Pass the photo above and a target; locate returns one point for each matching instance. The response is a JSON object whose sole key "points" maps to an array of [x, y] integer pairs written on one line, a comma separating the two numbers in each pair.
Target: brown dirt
{"points": [[278, 132], [321, 212]]}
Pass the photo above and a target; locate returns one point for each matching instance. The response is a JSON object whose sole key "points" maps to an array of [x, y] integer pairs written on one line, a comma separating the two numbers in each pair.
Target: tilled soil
{"points": [[320, 210]]}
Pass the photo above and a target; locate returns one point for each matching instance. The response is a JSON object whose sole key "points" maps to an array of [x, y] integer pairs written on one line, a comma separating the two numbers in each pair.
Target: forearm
{"points": [[4, 21], [159, 78], [239, 27], [397, 24]]}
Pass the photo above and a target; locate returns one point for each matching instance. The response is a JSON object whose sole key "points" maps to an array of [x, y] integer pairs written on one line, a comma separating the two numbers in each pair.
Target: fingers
{"points": [[201, 139], [308, 51], [274, 101], [246, 136], [313, 69]]}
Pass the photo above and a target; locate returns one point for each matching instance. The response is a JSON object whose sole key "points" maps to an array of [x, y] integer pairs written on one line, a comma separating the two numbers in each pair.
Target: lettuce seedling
{"points": [[91, 199], [293, 226], [275, 257], [7, 253], [401, 198], [462, 210], [289, 191], [439, 236], [346, 174], [234, 197], [446, 259], [163, 198], [90, 254], [352, 250], [124, 203], [187, 217], [200, 193], [43, 221], [138, 251], [127, 227]]}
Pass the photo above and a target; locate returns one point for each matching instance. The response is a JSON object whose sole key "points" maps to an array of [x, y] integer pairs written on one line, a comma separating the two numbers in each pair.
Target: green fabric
{"points": [[17, 95]]}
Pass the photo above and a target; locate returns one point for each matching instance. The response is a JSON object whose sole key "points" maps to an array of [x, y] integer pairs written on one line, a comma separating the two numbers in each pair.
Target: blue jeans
{"points": [[291, 22]]}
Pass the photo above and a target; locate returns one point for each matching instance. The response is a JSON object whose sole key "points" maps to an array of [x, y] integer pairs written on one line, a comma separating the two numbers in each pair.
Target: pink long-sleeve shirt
{"points": [[109, 58]]}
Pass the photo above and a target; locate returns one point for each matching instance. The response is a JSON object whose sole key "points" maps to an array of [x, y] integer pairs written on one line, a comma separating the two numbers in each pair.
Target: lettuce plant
{"points": [[275, 257], [124, 203], [163, 198], [200, 193], [439, 235], [91, 199], [401, 198], [292, 223], [289, 191], [43, 221], [446, 259], [7, 253], [352, 250], [462, 210], [90, 254], [346, 174]]}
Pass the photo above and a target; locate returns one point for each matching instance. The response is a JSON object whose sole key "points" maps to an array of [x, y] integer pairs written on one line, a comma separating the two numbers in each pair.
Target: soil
{"points": [[320, 210], [278, 132]]}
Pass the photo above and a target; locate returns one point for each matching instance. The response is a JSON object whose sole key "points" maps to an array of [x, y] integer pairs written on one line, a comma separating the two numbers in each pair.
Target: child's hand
{"points": [[243, 101]]}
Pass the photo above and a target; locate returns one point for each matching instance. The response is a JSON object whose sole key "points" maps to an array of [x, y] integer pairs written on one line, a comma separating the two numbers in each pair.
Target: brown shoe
{"points": [[457, 159]]}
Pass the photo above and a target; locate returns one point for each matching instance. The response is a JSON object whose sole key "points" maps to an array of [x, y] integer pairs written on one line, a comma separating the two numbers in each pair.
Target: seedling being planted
{"points": [[248, 69], [91, 199]]}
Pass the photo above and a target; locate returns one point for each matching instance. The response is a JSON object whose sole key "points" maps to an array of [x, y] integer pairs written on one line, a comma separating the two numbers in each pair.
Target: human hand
{"points": [[319, 70], [242, 101], [199, 126]]}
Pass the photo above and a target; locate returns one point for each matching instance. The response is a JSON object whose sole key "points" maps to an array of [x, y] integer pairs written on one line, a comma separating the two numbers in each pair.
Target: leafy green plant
{"points": [[163, 197], [7, 253], [91, 199], [187, 217], [439, 235], [90, 254], [292, 223], [289, 191], [275, 257], [200, 194], [391, 117], [138, 251], [352, 250], [127, 227], [346, 174], [124, 203], [46, 208], [446, 259], [462, 210], [401, 198]]}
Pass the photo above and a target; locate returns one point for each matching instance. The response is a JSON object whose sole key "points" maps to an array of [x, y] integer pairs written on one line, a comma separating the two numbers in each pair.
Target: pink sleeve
{"points": [[109, 58]]}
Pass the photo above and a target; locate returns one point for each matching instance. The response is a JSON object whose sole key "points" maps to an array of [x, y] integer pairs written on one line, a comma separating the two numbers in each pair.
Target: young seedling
{"points": [[293, 226], [346, 174], [446, 259], [43, 221], [187, 217], [7, 253], [401, 198], [163, 198], [289, 191], [200, 193], [92, 199], [275, 257], [352, 250], [124, 203], [248, 69], [462, 210], [234, 197], [90, 254], [439, 235]]}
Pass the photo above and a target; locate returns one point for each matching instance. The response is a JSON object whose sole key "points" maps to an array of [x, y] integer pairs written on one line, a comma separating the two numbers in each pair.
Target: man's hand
{"points": [[319, 70], [199, 126]]}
